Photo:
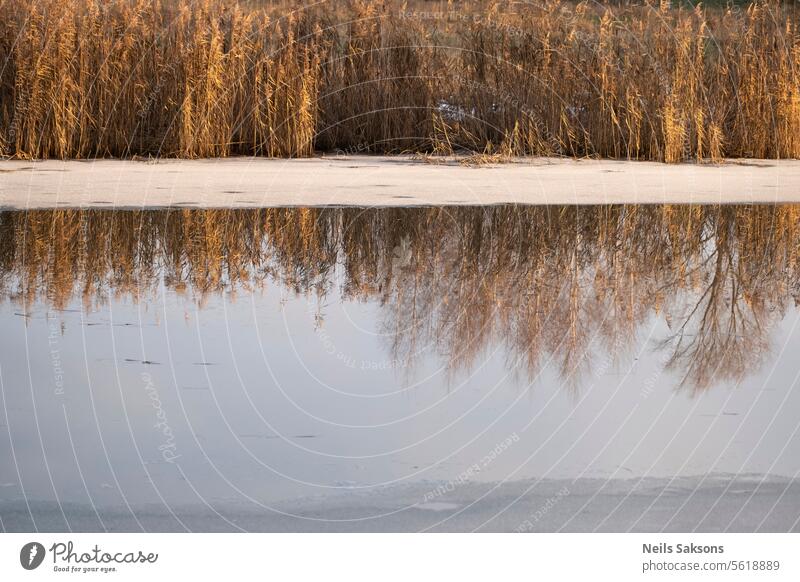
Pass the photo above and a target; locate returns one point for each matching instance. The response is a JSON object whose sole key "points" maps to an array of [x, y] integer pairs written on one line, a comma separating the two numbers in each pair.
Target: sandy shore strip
{"points": [[387, 181]]}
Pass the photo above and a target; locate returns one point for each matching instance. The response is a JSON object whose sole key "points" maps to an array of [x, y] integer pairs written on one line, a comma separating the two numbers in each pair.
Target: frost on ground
{"points": [[362, 180]]}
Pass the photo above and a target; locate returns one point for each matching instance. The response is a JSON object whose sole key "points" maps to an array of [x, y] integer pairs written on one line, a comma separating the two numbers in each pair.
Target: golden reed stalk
{"points": [[97, 78]]}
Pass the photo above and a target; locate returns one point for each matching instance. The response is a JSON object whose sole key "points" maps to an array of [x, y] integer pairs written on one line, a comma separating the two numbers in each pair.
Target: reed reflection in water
{"points": [[565, 284]]}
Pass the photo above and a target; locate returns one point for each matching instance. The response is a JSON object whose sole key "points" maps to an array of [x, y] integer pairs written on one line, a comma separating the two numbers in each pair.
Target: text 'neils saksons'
{"points": [[664, 548]]}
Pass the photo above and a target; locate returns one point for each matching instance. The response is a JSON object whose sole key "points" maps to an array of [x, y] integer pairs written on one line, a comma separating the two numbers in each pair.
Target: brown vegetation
{"points": [[95, 78]]}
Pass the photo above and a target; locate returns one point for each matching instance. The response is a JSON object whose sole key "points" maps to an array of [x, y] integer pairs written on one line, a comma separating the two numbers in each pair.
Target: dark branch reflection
{"points": [[553, 284]]}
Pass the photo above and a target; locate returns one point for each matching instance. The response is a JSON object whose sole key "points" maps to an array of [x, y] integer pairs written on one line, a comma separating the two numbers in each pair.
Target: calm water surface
{"points": [[627, 367]]}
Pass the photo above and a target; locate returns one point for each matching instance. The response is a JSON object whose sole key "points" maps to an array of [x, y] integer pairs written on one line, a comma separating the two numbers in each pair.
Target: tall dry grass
{"points": [[85, 78]]}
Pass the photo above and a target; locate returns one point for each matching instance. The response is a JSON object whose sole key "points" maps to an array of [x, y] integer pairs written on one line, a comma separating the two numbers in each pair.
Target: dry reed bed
{"points": [[95, 78], [558, 284]]}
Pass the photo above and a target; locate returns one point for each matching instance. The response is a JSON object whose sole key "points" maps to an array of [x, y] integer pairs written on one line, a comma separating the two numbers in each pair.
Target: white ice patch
{"points": [[437, 506]]}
